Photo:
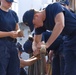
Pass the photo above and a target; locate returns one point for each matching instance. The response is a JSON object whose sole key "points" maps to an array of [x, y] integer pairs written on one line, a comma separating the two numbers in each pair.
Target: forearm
{"points": [[55, 33], [12, 34], [37, 39], [28, 62], [4, 34], [59, 25]]}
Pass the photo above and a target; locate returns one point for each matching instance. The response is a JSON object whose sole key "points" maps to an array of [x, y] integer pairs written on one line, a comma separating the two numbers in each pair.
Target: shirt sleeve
{"points": [[15, 16], [39, 30], [56, 9]]}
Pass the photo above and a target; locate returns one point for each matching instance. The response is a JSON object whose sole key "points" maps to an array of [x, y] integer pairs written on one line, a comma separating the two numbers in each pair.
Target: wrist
{"points": [[9, 33], [47, 45], [34, 44]]}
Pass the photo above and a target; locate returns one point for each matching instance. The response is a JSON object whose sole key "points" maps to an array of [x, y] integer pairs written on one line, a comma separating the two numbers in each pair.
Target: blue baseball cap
{"points": [[19, 47], [28, 19], [10, 1], [64, 2], [28, 46]]}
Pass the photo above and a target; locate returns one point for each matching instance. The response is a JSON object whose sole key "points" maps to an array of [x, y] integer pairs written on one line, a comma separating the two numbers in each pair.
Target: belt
{"points": [[9, 39]]}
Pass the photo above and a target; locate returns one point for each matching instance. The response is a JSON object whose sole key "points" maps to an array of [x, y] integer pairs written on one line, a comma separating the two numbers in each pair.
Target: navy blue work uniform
{"points": [[70, 30], [9, 61]]}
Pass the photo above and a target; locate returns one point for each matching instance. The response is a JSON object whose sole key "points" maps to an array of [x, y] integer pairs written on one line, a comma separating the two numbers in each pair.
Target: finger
{"points": [[43, 49], [18, 30]]}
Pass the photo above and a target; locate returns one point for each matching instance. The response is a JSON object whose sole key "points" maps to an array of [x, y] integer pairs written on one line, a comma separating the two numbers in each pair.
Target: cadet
{"points": [[9, 31], [56, 47], [61, 21]]}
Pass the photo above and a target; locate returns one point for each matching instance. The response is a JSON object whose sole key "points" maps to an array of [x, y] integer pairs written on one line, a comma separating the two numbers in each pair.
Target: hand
{"points": [[20, 33], [13, 34], [50, 55], [36, 48], [39, 48], [38, 56], [42, 47], [36, 52]]}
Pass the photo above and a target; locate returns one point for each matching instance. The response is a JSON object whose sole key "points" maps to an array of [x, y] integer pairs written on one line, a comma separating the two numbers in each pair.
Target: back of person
{"points": [[70, 19]]}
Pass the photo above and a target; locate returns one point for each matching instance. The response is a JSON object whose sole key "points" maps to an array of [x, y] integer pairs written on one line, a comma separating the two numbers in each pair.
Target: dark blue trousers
{"points": [[70, 62], [56, 65], [9, 61], [62, 64], [70, 55]]}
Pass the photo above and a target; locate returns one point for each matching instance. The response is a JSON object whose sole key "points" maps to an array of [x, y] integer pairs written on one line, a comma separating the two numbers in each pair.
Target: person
{"points": [[9, 31], [23, 62], [20, 50], [27, 62], [55, 48], [66, 4], [37, 67], [61, 21]]}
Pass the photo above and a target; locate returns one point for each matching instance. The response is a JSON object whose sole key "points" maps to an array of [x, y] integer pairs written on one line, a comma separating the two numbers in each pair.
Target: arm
{"points": [[36, 49], [37, 39], [17, 27], [59, 25], [12, 34], [4, 34], [20, 32], [28, 62]]}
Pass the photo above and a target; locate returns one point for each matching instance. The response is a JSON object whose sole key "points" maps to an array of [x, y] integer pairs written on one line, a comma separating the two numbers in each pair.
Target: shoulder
{"points": [[54, 7], [14, 15], [56, 4], [12, 11]]}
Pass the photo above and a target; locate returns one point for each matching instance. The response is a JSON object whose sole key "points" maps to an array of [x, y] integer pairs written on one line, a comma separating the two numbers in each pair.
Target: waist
{"points": [[9, 39]]}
